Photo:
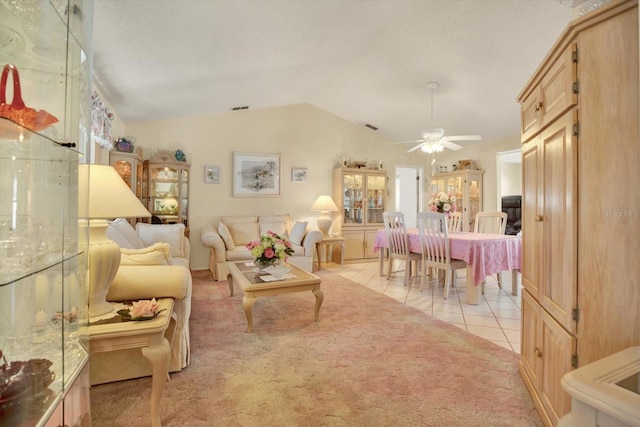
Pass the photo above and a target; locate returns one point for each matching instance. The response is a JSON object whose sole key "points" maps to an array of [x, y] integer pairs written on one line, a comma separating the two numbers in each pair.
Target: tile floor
{"points": [[496, 318]]}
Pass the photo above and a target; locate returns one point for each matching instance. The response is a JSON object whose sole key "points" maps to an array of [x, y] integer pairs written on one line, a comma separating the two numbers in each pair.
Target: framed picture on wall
{"points": [[211, 174], [256, 175], [298, 174]]}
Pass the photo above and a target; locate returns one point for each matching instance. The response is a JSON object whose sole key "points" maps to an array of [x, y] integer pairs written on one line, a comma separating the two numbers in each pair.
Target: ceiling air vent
{"points": [[371, 126], [246, 107]]}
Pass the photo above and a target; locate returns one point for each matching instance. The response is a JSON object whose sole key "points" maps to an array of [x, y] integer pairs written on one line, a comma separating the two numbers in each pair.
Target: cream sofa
{"points": [[154, 264], [227, 240]]}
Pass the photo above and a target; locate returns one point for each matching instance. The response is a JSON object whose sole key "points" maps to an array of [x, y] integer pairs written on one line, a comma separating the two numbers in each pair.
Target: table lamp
{"points": [[324, 204], [103, 195]]}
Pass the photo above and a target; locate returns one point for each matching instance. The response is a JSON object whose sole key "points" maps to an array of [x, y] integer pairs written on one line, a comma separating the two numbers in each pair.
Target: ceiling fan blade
{"points": [[406, 142], [464, 138], [415, 148], [450, 145]]}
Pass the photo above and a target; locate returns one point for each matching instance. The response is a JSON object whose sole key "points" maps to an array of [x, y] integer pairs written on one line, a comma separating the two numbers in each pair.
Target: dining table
{"points": [[485, 254]]}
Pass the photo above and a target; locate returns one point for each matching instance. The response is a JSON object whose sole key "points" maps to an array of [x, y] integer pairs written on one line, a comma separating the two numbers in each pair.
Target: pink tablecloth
{"points": [[485, 254]]}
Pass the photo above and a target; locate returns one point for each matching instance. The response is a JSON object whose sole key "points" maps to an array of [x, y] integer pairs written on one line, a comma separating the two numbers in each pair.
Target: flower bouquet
{"points": [[141, 310], [443, 203], [269, 249]]}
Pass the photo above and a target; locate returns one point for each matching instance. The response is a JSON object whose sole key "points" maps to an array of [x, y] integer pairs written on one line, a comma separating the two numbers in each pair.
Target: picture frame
{"points": [[298, 174], [211, 174], [256, 175]]}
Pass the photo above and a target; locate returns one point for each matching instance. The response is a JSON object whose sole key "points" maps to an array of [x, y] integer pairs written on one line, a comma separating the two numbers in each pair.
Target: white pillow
{"points": [[166, 233], [224, 232], [156, 254], [121, 232], [278, 227], [244, 233], [297, 232]]}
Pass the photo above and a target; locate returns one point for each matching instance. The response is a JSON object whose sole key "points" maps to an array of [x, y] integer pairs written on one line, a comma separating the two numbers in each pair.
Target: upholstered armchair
{"points": [[512, 206]]}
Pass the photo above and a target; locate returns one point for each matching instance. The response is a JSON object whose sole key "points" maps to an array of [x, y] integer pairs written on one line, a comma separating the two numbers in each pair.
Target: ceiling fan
{"points": [[433, 139]]}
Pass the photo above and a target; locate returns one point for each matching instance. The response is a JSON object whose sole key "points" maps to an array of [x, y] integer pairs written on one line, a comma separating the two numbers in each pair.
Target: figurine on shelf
{"points": [[180, 156]]}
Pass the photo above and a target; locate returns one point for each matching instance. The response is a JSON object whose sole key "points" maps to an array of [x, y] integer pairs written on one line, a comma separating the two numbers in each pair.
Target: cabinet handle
{"points": [[539, 218], [539, 106], [537, 352]]}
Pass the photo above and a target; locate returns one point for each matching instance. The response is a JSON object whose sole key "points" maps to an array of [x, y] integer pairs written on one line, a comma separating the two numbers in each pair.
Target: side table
{"points": [[149, 337], [330, 241]]}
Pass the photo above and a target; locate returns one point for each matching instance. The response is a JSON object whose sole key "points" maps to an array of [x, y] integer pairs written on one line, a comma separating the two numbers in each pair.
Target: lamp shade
{"points": [[324, 204], [108, 195]]}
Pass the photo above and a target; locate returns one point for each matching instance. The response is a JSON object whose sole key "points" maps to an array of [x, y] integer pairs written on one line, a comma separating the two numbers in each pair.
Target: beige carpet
{"points": [[370, 361]]}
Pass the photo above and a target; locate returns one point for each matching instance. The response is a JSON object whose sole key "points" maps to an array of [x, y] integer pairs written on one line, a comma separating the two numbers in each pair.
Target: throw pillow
{"points": [[156, 254], [244, 233], [121, 232], [224, 232], [297, 232], [166, 233], [278, 227]]}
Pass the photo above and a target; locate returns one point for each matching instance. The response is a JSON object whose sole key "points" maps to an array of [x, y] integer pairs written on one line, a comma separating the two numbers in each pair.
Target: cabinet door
{"points": [[558, 94], [532, 237], [369, 241], [353, 188], [529, 343], [558, 291], [557, 349], [354, 243], [375, 198], [473, 203], [530, 116]]}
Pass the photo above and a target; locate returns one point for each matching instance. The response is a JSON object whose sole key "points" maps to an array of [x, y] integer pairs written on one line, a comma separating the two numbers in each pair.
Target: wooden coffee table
{"points": [[253, 286]]}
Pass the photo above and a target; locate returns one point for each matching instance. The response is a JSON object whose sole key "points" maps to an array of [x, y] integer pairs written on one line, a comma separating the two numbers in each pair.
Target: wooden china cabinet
{"points": [[580, 217], [360, 195], [466, 185], [167, 188], [129, 166]]}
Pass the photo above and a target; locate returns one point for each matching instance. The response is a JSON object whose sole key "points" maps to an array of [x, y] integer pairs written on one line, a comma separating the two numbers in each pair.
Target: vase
{"points": [[262, 264]]}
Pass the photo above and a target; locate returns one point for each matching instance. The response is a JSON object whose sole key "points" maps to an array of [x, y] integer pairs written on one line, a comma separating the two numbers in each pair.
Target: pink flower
{"points": [[144, 308], [269, 253], [433, 208]]}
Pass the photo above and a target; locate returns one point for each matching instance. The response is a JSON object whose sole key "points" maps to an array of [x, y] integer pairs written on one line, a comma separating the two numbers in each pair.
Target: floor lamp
{"points": [[103, 195], [324, 204]]}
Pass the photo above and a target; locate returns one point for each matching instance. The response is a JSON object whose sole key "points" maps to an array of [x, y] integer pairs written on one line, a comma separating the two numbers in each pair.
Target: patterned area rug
{"points": [[370, 361]]}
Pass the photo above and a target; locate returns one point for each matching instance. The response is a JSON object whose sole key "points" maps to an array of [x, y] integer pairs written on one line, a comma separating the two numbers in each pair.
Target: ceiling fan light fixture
{"points": [[433, 133], [432, 147]]}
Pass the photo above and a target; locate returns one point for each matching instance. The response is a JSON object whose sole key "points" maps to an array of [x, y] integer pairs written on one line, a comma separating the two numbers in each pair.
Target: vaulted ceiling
{"points": [[365, 61]]}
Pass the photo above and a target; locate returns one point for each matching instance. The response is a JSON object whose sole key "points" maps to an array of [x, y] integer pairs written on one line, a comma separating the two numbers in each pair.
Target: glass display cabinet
{"points": [[129, 166], [168, 188], [360, 195], [466, 185], [46, 60]]}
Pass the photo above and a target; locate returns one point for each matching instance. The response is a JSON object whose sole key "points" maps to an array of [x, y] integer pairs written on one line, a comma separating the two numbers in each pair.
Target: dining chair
{"points": [[491, 223], [454, 221], [398, 240], [436, 254]]}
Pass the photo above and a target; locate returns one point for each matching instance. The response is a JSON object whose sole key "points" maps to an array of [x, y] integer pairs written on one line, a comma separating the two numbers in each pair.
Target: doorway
{"points": [[408, 193], [508, 174]]}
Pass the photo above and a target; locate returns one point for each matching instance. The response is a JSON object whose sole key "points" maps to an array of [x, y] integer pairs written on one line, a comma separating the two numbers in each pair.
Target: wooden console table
{"points": [[330, 241], [149, 336]]}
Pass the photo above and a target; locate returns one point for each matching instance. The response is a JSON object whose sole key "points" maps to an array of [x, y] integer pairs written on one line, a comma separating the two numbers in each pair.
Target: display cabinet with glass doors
{"points": [[360, 195], [167, 188], [46, 60], [466, 185], [129, 166]]}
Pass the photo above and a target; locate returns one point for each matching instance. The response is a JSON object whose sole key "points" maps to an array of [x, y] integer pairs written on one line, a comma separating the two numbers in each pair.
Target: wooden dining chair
{"points": [[434, 239], [454, 221], [398, 240], [491, 223]]}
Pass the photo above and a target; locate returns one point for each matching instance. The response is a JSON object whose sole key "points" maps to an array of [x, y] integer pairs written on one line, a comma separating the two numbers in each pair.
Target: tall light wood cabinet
{"points": [[466, 185], [360, 195], [167, 188], [580, 214], [129, 166]]}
